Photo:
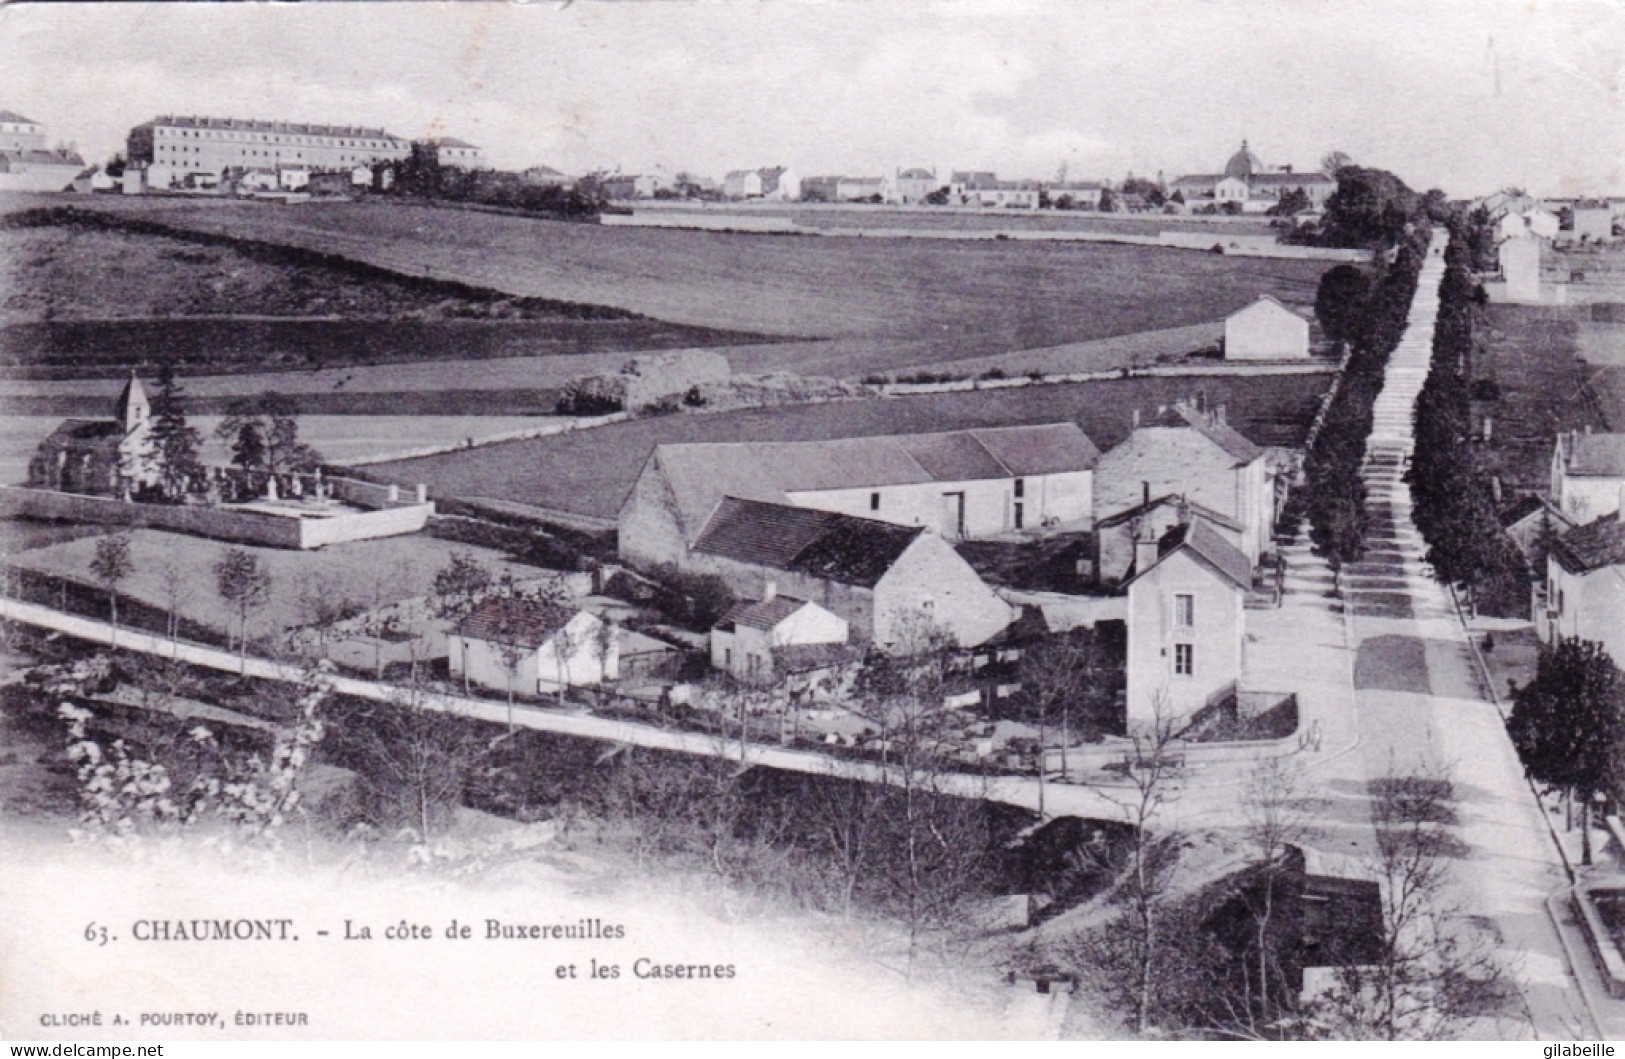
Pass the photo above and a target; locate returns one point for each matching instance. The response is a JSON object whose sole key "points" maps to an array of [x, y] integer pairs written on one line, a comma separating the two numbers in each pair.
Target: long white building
{"points": [[212, 145]]}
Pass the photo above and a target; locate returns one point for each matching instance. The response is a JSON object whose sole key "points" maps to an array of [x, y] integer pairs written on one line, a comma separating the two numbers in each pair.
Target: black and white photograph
{"points": [[803, 520]]}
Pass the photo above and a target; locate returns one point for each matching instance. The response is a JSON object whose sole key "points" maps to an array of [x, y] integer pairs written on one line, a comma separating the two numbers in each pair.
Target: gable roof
{"points": [[1288, 180], [1206, 425], [700, 475], [522, 622], [1532, 504], [840, 548], [15, 118], [764, 614], [1585, 549], [1595, 455], [1268, 300], [1212, 550]]}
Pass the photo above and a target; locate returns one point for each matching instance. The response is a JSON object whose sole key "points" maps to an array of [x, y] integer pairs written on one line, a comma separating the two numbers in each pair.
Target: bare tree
{"points": [[179, 592], [416, 761], [1275, 830], [322, 605], [1061, 677], [1432, 971]]}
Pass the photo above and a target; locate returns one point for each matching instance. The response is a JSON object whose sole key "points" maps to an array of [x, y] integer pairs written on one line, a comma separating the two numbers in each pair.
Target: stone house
{"points": [[1186, 622], [1588, 473], [964, 484], [1265, 330], [1585, 585], [1196, 455], [100, 457], [749, 639], [883, 580], [532, 647]]}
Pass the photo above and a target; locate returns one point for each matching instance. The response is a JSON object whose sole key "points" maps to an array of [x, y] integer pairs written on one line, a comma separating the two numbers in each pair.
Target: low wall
{"points": [[242, 527], [226, 524]]}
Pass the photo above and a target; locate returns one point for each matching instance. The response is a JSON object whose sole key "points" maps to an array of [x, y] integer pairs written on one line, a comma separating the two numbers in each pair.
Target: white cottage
{"points": [[748, 639], [1588, 474], [1585, 585], [532, 648], [1265, 330]]}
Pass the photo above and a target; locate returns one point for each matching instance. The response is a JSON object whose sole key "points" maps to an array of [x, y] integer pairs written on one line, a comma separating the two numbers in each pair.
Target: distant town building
{"points": [[25, 162], [962, 484], [780, 184], [453, 153], [1593, 221], [862, 189], [18, 133], [1520, 267], [821, 189], [100, 457], [1076, 193], [213, 145], [1265, 330], [911, 186], [885, 581], [1197, 455], [1588, 474], [533, 647], [1186, 623], [1252, 185], [742, 184], [746, 640], [545, 176]]}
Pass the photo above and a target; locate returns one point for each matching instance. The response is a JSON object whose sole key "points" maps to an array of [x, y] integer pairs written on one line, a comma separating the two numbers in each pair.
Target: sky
{"points": [[1467, 95]]}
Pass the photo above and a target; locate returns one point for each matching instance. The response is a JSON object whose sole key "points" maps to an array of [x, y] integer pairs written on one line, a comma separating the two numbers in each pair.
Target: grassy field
{"points": [[1531, 357], [872, 304], [366, 572], [939, 219], [590, 471]]}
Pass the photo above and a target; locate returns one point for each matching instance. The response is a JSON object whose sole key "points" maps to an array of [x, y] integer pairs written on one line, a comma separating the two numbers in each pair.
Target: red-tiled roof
{"points": [[523, 622]]}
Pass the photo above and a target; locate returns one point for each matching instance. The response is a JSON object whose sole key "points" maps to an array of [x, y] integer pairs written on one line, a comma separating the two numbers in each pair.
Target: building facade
{"points": [[213, 145], [1585, 585], [1588, 474], [1265, 330], [1196, 455], [883, 580], [532, 648], [748, 639], [1186, 624], [962, 485]]}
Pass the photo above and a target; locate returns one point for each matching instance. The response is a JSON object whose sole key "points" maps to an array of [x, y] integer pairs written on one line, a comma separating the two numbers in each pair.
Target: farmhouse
{"points": [[1196, 455], [1588, 472], [911, 186], [963, 484], [884, 581], [100, 457], [752, 636], [1265, 330], [532, 647], [1186, 622], [1585, 585], [742, 184]]}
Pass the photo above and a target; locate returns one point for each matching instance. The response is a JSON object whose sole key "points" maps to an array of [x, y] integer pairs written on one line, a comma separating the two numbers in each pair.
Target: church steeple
{"points": [[133, 408]]}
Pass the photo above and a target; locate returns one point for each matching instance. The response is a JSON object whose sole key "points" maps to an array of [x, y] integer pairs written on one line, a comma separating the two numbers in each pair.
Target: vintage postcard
{"points": [[924, 519]]}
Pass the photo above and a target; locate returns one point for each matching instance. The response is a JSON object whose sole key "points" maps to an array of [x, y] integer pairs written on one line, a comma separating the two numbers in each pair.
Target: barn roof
{"points": [[1206, 425], [821, 544], [700, 475], [764, 614]]}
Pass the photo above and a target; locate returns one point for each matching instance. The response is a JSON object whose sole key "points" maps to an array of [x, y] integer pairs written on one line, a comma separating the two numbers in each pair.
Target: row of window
{"points": [[261, 137]]}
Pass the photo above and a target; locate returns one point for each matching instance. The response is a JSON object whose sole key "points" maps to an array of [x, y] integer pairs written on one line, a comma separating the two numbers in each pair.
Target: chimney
{"points": [[1145, 548], [769, 590], [1145, 493]]}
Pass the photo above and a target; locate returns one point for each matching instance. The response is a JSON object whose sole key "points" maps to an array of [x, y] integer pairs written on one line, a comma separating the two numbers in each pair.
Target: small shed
{"points": [[533, 647], [1265, 330]]}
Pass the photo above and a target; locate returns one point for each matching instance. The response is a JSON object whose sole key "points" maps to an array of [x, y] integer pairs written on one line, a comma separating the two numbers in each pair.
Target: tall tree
{"points": [[174, 443], [1568, 725], [1332, 161], [1340, 301], [263, 432]]}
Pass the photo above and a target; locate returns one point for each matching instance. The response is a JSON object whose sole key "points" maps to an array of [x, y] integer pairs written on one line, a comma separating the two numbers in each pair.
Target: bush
{"points": [[697, 601]]}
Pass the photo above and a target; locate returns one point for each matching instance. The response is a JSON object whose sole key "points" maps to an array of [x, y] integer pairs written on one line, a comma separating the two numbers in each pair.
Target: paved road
{"points": [[1420, 704]]}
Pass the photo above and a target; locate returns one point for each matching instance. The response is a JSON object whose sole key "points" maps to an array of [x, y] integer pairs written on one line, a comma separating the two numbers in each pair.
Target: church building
{"points": [[100, 457]]}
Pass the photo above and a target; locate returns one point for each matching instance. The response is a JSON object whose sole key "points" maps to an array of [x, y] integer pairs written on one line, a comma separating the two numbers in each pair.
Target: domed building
{"points": [[1253, 186]]}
